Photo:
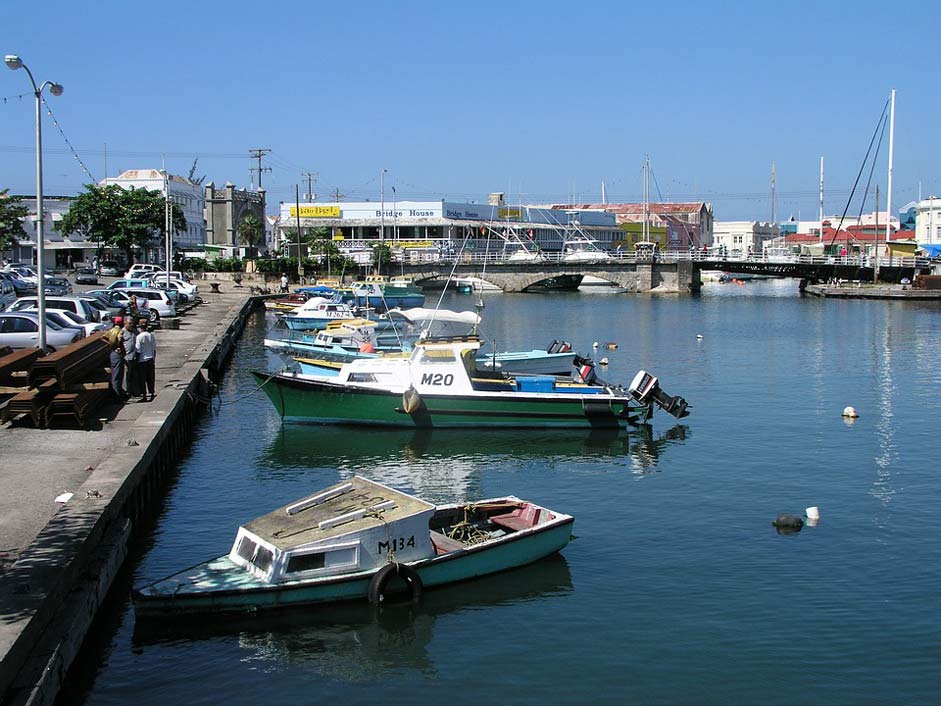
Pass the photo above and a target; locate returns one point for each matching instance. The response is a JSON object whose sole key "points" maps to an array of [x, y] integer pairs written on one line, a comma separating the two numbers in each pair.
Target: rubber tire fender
{"points": [[378, 583]]}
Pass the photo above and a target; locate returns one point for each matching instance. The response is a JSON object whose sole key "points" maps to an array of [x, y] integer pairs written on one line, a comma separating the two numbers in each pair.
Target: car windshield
{"points": [[74, 318]]}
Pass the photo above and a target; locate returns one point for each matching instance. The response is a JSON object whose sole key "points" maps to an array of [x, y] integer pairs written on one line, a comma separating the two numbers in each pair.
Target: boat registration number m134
{"points": [[397, 544], [443, 379]]}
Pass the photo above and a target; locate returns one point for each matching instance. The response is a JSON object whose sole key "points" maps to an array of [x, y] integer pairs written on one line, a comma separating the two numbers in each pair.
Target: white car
{"points": [[20, 329], [157, 301], [184, 287], [73, 303], [70, 318], [139, 271]]}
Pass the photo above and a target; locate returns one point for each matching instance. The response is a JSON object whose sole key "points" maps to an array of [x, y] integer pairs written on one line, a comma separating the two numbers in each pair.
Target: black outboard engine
{"points": [[645, 388], [584, 370]]}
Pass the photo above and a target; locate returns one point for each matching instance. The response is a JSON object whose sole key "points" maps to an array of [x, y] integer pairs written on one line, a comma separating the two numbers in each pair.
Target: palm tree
{"points": [[251, 230]]}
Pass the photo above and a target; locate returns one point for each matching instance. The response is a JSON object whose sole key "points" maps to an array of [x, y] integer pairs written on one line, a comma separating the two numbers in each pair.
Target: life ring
{"points": [[378, 583]]}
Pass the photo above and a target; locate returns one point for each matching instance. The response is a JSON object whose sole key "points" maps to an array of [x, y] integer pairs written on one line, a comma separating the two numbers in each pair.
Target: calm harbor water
{"points": [[677, 589]]}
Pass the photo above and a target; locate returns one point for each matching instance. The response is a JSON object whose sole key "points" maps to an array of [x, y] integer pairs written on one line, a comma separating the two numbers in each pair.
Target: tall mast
{"points": [[772, 193], [875, 268], [821, 200], [646, 237], [888, 195]]}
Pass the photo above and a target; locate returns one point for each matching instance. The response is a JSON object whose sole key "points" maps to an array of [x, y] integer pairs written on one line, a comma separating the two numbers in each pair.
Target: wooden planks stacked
{"points": [[70, 383], [73, 363], [14, 368]]}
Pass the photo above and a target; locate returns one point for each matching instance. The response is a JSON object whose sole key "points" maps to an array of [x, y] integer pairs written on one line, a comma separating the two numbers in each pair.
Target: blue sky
{"points": [[541, 100]]}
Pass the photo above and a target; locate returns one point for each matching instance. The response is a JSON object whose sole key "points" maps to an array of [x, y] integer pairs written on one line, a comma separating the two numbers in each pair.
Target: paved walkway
{"points": [[37, 465]]}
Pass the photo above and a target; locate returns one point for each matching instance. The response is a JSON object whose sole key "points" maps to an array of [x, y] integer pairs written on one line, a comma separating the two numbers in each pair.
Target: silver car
{"points": [[20, 329]]}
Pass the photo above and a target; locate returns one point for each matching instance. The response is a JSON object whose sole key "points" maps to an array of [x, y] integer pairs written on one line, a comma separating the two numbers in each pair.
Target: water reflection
{"points": [[354, 642], [429, 458]]}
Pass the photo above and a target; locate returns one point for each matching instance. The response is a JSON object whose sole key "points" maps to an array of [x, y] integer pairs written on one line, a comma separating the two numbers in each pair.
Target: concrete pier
{"points": [[57, 560]]}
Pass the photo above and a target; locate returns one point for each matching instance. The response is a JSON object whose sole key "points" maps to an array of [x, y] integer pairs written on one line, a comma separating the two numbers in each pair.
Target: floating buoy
{"points": [[611, 346], [698, 336], [604, 361], [813, 513], [595, 344], [850, 412], [786, 521]]}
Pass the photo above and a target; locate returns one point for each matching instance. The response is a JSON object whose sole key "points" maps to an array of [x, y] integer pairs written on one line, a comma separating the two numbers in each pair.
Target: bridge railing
{"points": [[724, 262]]}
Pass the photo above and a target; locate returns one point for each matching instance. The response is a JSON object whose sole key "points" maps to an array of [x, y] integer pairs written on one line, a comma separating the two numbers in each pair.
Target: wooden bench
{"points": [[519, 519]]}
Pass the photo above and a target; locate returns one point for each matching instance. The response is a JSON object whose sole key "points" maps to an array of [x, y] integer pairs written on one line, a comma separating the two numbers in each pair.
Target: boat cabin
{"points": [[352, 334], [356, 525]]}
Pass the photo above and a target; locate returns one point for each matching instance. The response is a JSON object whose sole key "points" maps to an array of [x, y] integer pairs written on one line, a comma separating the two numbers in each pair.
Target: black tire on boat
{"points": [[379, 582]]}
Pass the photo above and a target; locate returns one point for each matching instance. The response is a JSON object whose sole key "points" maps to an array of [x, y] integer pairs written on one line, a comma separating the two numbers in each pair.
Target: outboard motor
{"points": [[584, 370], [645, 388], [554, 346]]}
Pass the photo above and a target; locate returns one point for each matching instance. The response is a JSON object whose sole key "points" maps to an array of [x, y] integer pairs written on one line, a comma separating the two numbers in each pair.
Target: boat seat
{"points": [[519, 519], [444, 544]]}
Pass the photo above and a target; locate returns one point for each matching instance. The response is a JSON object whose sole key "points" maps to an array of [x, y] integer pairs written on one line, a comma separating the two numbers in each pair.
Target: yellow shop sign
{"points": [[316, 211]]}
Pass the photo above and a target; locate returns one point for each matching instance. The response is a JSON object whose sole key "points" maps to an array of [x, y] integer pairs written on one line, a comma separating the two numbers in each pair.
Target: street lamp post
{"points": [[166, 219], [382, 204], [14, 62]]}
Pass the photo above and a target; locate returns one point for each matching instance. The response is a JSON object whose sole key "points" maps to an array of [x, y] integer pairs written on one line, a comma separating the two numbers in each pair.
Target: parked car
{"points": [[86, 275], [57, 286], [109, 268], [20, 329], [24, 272], [70, 318], [183, 285], [107, 301], [20, 285], [7, 294], [128, 282], [140, 270], [72, 303], [158, 302]]}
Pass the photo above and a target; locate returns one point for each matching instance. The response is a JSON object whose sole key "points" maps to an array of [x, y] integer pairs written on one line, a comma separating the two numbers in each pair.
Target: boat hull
{"points": [[327, 402], [512, 551]]}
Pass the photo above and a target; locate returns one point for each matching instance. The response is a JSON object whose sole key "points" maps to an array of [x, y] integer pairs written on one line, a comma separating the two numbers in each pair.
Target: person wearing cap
{"points": [[116, 357]]}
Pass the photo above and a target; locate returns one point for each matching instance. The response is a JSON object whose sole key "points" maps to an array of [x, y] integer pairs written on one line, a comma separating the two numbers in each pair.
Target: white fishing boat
{"points": [[359, 540]]}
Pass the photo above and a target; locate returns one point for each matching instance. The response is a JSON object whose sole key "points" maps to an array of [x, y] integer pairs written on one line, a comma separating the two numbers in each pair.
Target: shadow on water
{"points": [[355, 641]]}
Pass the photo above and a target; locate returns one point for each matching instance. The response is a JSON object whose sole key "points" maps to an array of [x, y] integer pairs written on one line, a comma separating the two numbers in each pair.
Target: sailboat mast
{"points": [[772, 193], [888, 196], [646, 231]]}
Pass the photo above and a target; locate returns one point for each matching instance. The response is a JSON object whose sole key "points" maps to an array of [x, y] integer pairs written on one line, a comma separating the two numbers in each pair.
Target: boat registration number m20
{"points": [[443, 379], [397, 544]]}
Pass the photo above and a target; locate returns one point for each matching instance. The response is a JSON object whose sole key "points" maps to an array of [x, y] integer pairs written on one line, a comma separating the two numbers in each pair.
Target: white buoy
{"points": [[604, 361], [813, 513], [595, 344], [850, 412], [698, 336]]}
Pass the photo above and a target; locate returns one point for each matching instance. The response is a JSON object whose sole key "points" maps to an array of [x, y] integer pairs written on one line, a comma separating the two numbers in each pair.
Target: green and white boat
{"points": [[440, 386], [359, 540]]}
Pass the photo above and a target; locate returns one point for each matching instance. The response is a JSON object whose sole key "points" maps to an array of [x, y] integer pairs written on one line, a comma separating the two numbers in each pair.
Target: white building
{"points": [[437, 225], [60, 250], [743, 237], [190, 197], [928, 221]]}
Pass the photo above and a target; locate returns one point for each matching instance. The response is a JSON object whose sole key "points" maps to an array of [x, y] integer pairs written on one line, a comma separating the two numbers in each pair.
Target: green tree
{"points": [[11, 229], [251, 230], [121, 218], [381, 256]]}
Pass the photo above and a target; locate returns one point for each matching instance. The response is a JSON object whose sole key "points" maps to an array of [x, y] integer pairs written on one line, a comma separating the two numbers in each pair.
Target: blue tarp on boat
{"points": [[933, 250]]}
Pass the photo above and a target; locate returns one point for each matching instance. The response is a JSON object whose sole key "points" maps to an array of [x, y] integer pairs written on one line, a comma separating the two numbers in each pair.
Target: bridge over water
{"points": [[668, 272]]}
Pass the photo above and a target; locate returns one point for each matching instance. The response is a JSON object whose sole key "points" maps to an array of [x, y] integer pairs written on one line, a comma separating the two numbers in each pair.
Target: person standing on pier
{"points": [[146, 346], [129, 339], [116, 357]]}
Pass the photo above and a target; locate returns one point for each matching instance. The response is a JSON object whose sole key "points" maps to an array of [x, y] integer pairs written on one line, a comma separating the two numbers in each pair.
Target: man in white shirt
{"points": [[146, 346]]}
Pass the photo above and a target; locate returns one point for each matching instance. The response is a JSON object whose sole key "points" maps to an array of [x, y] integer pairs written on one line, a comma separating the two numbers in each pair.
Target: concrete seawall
{"points": [[65, 557]]}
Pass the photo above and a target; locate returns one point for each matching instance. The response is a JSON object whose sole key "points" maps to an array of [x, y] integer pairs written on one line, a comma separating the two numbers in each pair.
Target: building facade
{"points": [[688, 225], [743, 237], [928, 221], [446, 227], [61, 250], [225, 209], [184, 193]]}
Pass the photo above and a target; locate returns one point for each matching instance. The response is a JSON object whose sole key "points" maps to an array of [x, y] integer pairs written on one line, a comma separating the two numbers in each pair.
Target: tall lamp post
{"points": [[166, 219], [14, 62], [382, 204]]}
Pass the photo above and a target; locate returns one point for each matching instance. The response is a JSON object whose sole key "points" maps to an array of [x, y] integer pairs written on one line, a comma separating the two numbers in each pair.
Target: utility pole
{"points": [[311, 177], [337, 195], [258, 154]]}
